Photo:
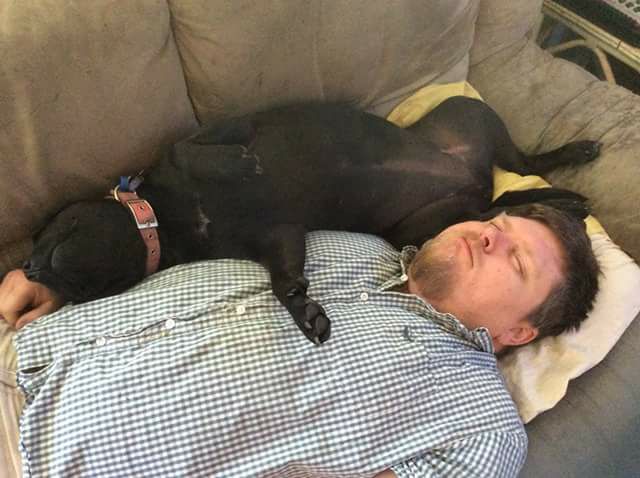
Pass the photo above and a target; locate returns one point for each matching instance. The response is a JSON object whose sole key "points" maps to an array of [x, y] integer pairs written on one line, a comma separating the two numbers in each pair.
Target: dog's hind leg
{"points": [[574, 153], [217, 153], [282, 251], [473, 130]]}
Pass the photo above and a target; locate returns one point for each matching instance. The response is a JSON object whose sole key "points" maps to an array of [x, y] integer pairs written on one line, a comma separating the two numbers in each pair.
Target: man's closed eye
{"points": [[517, 260]]}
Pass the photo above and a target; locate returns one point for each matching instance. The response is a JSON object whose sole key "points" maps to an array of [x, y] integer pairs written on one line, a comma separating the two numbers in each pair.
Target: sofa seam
{"points": [[172, 35]]}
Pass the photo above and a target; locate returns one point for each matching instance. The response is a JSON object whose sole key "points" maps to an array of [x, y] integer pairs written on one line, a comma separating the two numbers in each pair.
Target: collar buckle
{"points": [[143, 213], [147, 223]]}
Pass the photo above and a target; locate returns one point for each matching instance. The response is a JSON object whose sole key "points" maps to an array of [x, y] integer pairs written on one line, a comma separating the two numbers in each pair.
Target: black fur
{"points": [[252, 187]]}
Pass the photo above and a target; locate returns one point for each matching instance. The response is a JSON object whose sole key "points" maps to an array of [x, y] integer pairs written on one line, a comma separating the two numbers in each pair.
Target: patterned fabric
{"points": [[199, 371]]}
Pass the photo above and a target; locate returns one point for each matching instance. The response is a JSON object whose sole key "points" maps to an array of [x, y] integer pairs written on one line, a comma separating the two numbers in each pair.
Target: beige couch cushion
{"points": [[87, 91], [547, 102], [247, 54]]}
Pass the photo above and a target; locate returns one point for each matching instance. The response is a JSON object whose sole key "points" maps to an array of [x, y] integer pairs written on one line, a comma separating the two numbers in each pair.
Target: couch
{"points": [[93, 90]]}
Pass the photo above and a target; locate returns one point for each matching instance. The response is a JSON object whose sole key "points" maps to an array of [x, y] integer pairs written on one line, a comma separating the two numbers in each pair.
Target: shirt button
{"points": [[364, 297], [169, 324], [404, 277], [241, 309], [101, 341]]}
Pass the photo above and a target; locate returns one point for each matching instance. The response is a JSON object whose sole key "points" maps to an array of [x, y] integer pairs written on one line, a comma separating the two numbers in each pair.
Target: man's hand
{"points": [[386, 474], [22, 300]]}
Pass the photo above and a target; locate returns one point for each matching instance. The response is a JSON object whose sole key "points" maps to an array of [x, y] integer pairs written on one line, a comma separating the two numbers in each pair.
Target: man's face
{"points": [[490, 274]]}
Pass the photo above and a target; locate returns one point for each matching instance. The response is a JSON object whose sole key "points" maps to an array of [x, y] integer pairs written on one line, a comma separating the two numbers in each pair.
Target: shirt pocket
{"points": [[463, 367], [31, 379], [417, 361]]}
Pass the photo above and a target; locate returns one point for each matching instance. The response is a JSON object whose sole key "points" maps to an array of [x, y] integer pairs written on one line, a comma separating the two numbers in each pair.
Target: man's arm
{"points": [[22, 301]]}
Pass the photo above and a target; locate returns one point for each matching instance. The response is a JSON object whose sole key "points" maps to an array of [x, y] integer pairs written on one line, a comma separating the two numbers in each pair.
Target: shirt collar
{"points": [[480, 337]]}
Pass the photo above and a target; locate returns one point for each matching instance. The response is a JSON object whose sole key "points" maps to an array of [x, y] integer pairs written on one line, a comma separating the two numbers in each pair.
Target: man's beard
{"points": [[432, 271]]}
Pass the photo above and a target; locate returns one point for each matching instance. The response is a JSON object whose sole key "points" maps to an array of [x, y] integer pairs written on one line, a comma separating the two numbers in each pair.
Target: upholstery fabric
{"points": [[245, 55], [593, 431], [88, 90]]}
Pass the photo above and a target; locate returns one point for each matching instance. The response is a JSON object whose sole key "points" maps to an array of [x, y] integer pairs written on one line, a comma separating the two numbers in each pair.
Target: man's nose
{"points": [[494, 240]]}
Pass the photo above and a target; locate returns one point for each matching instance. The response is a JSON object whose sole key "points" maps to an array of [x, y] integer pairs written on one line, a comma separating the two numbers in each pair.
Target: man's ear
{"points": [[521, 334]]}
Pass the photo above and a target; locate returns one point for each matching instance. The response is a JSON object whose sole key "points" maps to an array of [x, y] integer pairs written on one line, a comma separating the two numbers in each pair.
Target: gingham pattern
{"points": [[199, 371]]}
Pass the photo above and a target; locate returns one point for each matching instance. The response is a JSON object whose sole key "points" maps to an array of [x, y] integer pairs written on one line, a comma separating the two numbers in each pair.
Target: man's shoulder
{"points": [[342, 245]]}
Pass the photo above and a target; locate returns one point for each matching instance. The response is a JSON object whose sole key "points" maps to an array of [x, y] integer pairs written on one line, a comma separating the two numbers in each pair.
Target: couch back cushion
{"points": [[245, 55], [503, 24], [87, 91]]}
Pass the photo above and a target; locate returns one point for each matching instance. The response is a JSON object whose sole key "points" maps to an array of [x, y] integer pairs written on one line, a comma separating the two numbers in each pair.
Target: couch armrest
{"points": [[547, 102], [593, 431]]}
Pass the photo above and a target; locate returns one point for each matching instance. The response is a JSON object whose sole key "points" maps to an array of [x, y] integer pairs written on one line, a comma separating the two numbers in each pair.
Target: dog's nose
{"points": [[32, 264]]}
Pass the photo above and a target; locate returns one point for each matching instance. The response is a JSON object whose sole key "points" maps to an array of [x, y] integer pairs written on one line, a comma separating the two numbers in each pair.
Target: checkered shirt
{"points": [[199, 371]]}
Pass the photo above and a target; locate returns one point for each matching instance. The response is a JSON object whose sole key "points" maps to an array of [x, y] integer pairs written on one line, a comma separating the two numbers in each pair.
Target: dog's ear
{"points": [[567, 201], [42, 224]]}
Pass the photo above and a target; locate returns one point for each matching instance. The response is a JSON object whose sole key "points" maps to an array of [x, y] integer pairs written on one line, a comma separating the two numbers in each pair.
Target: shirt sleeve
{"points": [[496, 455]]}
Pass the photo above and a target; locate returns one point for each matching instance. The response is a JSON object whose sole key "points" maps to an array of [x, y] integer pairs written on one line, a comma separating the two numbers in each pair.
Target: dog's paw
{"points": [[309, 316], [315, 325], [216, 162], [580, 152]]}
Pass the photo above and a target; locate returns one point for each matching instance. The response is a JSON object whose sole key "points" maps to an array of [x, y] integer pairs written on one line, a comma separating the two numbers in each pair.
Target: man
{"points": [[208, 378]]}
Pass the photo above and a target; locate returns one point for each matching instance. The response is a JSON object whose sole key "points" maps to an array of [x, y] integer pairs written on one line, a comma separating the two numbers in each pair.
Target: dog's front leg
{"points": [[282, 251]]}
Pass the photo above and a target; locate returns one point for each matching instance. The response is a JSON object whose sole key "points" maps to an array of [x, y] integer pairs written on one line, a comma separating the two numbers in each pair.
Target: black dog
{"points": [[252, 187]]}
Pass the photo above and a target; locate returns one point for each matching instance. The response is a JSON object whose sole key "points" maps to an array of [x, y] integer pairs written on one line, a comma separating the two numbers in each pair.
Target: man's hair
{"points": [[568, 303]]}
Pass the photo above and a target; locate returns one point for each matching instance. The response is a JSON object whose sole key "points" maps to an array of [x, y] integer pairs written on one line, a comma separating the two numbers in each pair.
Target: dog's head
{"points": [[90, 249]]}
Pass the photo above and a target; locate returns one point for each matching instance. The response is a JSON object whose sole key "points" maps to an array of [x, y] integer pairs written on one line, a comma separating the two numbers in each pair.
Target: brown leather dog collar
{"points": [[147, 224]]}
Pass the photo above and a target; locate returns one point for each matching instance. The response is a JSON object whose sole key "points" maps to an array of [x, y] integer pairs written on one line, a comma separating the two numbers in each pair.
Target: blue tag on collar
{"points": [[124, 183], [129, 184], [135, 182]]}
